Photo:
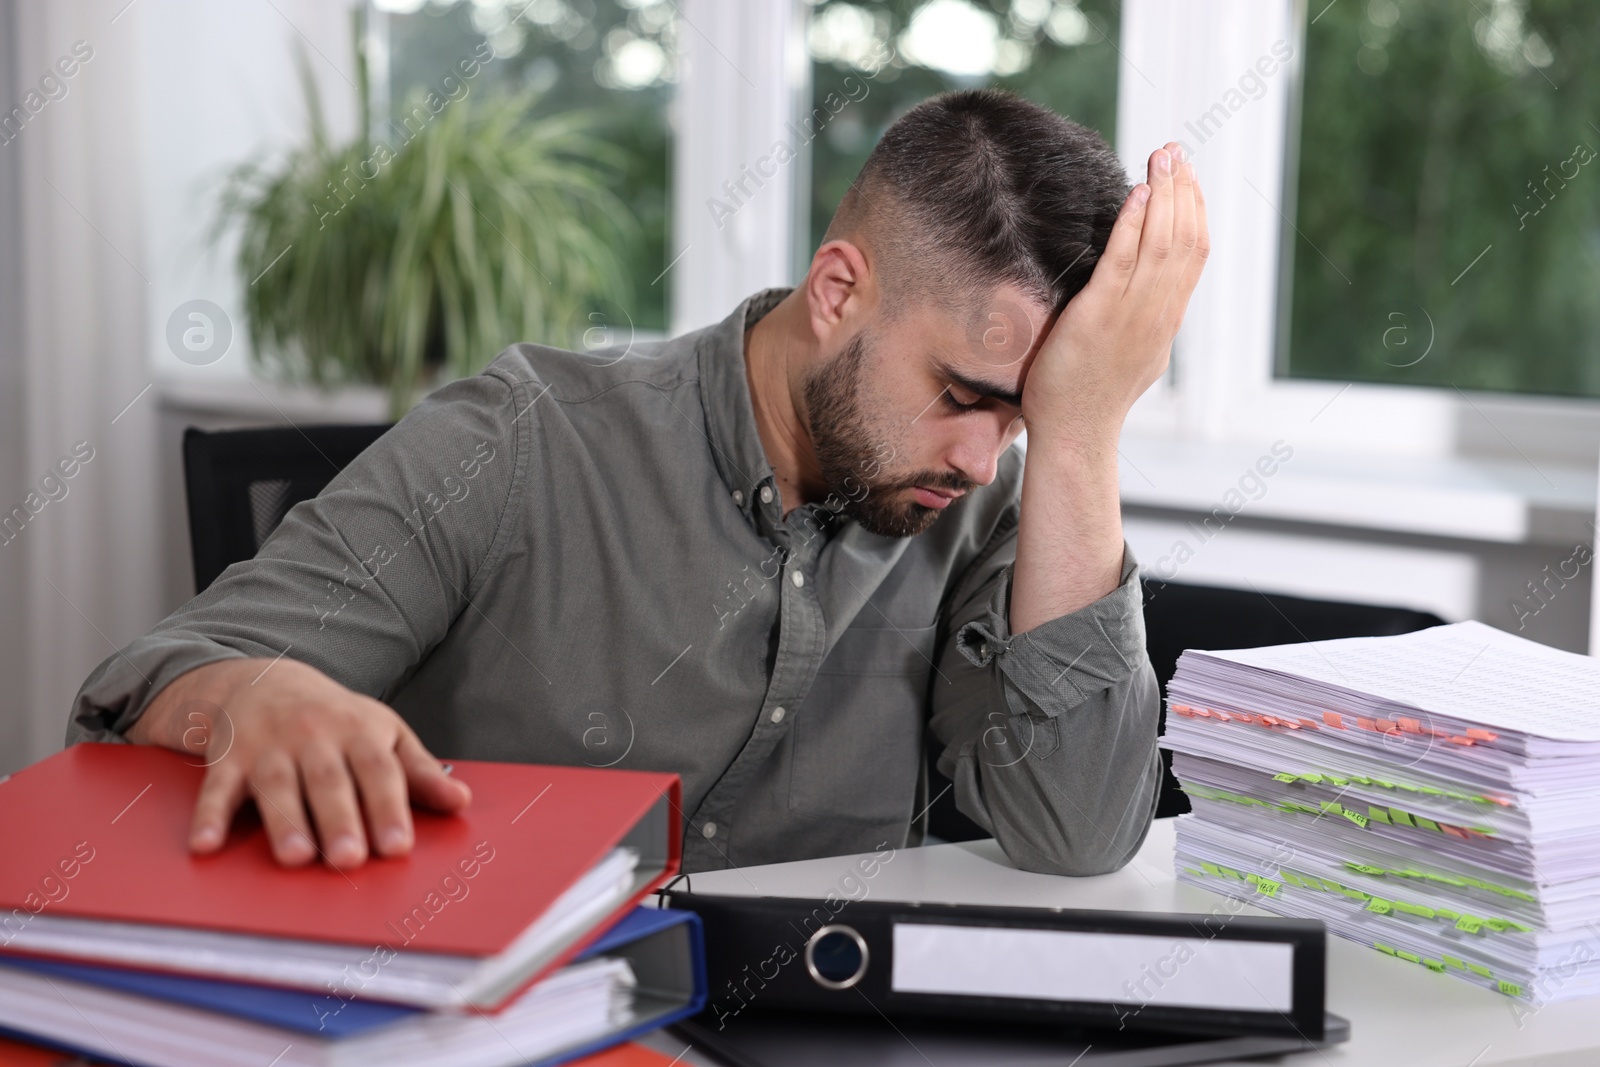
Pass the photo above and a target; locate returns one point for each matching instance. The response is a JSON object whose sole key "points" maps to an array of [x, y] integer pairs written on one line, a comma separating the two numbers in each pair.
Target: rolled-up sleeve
{"points": [[360, 581], [1050, 735]]}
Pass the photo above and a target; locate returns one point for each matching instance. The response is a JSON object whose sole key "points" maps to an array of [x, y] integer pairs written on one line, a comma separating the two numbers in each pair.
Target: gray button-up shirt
{"points": [[582, 558]]}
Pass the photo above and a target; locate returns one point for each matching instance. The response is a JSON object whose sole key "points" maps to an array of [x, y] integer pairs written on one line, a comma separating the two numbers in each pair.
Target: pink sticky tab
{"points": [[1461, 740], [1481, 735], [1334, 719]]}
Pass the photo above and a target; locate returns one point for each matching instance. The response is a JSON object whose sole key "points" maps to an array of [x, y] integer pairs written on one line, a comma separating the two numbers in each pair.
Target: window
{"points": [[615, 60], [883, 56], [1447, 218]]}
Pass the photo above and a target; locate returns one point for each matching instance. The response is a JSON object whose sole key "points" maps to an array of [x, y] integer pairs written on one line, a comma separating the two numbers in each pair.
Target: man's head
{"points": [[973, 222]]}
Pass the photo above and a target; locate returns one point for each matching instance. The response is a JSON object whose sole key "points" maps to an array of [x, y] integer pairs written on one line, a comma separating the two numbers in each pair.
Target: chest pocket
{"points": [[857, 744]]}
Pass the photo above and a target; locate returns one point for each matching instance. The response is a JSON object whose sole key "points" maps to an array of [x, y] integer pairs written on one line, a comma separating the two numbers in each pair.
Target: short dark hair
{"points": [[974, 188]]}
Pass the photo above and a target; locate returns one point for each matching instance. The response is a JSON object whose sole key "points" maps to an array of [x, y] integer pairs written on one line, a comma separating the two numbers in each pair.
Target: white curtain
{"points": [[78, 576]]}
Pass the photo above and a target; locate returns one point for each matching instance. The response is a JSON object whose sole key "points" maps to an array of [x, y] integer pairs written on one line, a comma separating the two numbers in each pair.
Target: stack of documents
{"points": [[508, 935], [1435, 795]]}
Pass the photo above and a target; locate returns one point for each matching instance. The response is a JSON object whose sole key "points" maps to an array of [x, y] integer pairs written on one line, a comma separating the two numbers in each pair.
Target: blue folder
{"points": [[663, 945]]}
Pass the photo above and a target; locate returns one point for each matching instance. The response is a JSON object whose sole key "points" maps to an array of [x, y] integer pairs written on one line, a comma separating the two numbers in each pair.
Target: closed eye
{"points": [[955, 403]]}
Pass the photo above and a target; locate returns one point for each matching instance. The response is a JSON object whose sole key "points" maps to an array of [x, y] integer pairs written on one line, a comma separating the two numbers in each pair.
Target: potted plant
{"points": [[408, 260]]}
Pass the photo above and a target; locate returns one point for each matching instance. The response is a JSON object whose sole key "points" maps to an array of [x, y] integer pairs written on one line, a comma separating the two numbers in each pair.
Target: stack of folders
{"points": [[509, 935], [1432, 795]]}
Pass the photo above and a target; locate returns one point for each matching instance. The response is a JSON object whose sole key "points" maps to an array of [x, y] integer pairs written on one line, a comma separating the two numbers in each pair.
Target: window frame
{"points": [[1224, 386]]}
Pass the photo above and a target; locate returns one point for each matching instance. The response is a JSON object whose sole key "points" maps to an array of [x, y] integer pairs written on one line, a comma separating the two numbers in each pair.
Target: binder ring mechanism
{"points": [[836, 956]]}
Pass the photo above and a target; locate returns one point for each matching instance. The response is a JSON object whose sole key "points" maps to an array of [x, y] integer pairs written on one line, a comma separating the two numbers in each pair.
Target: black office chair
{"points": [[1178, 616], [241, 483]]}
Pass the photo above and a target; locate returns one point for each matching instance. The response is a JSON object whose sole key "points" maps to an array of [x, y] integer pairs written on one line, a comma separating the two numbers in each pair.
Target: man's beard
{"points": [[854, 451]]}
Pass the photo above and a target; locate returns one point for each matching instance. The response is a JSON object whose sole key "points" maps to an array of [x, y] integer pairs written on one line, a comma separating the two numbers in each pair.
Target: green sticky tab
{"points": [[1427, 824], [1412, 956], [1434, 965], [1379, 905], [1377, 813], [1211, 868], [1360, 779], [1430, 790], [1356, 817], [1312, 777], [1364, 868], [1383, 948], [1457, 964], [1469, 923], [1478, 968], [1353, 894], [1383, 782], [1285, 777], [1408, 788], [1399, 817], [1331, 807], [1497, 925], [1336, 780], [1510, 989], [1268, 887], [1446, 913]]}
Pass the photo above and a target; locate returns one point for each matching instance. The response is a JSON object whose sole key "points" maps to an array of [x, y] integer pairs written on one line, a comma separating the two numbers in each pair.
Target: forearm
{"points": [[1069, 535]]}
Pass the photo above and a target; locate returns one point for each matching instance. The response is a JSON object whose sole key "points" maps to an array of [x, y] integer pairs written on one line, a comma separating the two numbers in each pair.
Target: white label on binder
{"points": [[997, 961]]}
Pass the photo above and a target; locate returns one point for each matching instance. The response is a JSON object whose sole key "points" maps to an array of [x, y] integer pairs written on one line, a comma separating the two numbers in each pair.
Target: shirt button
{"points": [[798, 579], [777, 715], [738, 497], [709, 829], [766, 494]]}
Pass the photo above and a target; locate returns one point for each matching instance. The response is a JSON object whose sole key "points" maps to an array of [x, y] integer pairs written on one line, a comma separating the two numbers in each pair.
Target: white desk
{"points": [[1399, 1013]]}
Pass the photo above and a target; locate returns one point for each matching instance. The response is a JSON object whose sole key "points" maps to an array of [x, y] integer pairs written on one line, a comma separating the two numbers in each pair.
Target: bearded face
{"points": [[857, 442]]}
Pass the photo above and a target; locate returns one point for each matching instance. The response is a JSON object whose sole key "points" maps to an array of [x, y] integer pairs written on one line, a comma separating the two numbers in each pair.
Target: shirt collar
{"points": [[725, 390]]}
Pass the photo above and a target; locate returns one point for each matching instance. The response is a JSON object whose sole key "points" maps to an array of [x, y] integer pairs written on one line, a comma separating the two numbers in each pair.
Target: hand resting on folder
{"points": [[298, 740]]}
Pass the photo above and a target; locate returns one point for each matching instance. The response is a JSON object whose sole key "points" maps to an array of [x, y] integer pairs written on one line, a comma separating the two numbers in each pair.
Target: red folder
{"points": [[99, 832]]}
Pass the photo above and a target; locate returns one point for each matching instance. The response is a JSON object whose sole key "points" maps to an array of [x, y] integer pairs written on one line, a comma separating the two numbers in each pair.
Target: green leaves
{"points": [[418, 254]]}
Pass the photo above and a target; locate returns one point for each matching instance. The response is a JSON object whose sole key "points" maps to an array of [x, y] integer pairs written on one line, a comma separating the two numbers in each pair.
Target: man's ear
{"points": [[841, 292]]}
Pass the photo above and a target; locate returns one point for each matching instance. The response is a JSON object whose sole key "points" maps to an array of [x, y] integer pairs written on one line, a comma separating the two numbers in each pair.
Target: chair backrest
{"points": [[1177, 617], [241, 483]]}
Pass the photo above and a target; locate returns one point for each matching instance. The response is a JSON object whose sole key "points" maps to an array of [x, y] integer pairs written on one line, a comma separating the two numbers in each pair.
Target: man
{"points": [[769, 555]]}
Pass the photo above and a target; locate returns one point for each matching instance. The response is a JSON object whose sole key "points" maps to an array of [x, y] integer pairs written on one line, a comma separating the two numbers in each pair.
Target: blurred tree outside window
{"points": [[1447, 202], [615, 60], [879, 58]]}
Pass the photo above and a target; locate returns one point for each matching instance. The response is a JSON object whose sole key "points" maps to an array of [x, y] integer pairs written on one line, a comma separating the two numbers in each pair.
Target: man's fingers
{"points": [[1184, 229], [1122, 247], [275, 784], [332, 798], [220, 796], [429, 783], [382, 783], [1155, 242], [1202, 243]]}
